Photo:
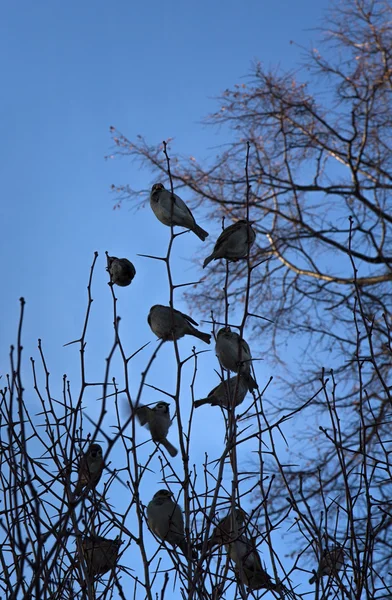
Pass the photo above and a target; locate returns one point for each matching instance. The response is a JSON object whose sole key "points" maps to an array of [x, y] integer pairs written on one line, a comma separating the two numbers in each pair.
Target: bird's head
{"points": [[110, 261], [95, 451], [163, 495], [157, 187], [223, 331], [162, 407]]}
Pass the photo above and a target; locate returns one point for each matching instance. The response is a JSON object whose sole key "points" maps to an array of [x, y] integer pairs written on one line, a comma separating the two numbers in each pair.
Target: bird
{"points": [[168, 323], [233, 243], [171, 210], [158, 421], [121, 270], [165, 519], [243, 552], [228, 393], [234, 354], [331, 562], [227, 529], [101, 554], [231, 532], [90, 469]]}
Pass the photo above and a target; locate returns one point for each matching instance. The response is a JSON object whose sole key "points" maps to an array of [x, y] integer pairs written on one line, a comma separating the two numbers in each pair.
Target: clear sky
{"points": [[69, 71]]}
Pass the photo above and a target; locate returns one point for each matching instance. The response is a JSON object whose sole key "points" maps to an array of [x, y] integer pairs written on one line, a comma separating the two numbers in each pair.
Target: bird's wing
{"points": [[245, 347], [224, 236], [83, 475], [187, 317], [212, 392], [96, 476], [181, 205], [143, 413], [83, 468]]}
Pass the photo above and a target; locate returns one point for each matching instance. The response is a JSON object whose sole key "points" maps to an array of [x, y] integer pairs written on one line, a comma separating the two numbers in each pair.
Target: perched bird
{"points": [[168, 323], [231, 392], [166, 521], [331, 562], [170, 209], [234, 354], [228, 529], [243, 552], [231, 532], [158, 421], [257, 578], [100, 554], [121, 270], [90, 469], [233, 243]]}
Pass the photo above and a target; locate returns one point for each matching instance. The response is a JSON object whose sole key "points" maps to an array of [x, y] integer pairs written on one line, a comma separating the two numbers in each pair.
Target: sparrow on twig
{"points": [[168, 323], [121, 270], [331, 561], [157, 420], [90, 469], [166, 521], [234, 354], [228, 393], [170, 209], [233, 243], [100, 554], [231, 532]]}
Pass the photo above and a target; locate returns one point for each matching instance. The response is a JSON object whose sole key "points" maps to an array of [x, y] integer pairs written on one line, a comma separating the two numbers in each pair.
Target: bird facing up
{"points": [[90, 469], [168, 323], [165, 519], [227, 393], [233, 243], [157, 420], [234, 354], [121, 270], [171, 210]]}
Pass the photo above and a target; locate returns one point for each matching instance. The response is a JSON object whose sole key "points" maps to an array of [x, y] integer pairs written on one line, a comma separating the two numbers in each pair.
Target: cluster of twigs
{"points": [[44, 528]]}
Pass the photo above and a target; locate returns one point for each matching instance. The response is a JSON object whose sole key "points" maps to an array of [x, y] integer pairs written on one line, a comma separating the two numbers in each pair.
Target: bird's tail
{"points": [[198, 403], [312, 579], [208, 260], [205, 337], [169, 447], [250, 381], [200, 232], [258, 579]]}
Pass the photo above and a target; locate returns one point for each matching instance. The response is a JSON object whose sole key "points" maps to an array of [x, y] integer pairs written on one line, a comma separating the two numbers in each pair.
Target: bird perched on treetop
{"points": [[168, 323], [227, 393], [233, 243], [166, 521], [234, 354], [331, 562], [157, 420], [90, 469], [170, 209], [121, 270]]}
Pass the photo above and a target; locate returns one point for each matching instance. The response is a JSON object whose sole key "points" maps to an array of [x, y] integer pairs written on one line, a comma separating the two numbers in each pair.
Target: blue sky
{"points": [[69, 71]]}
